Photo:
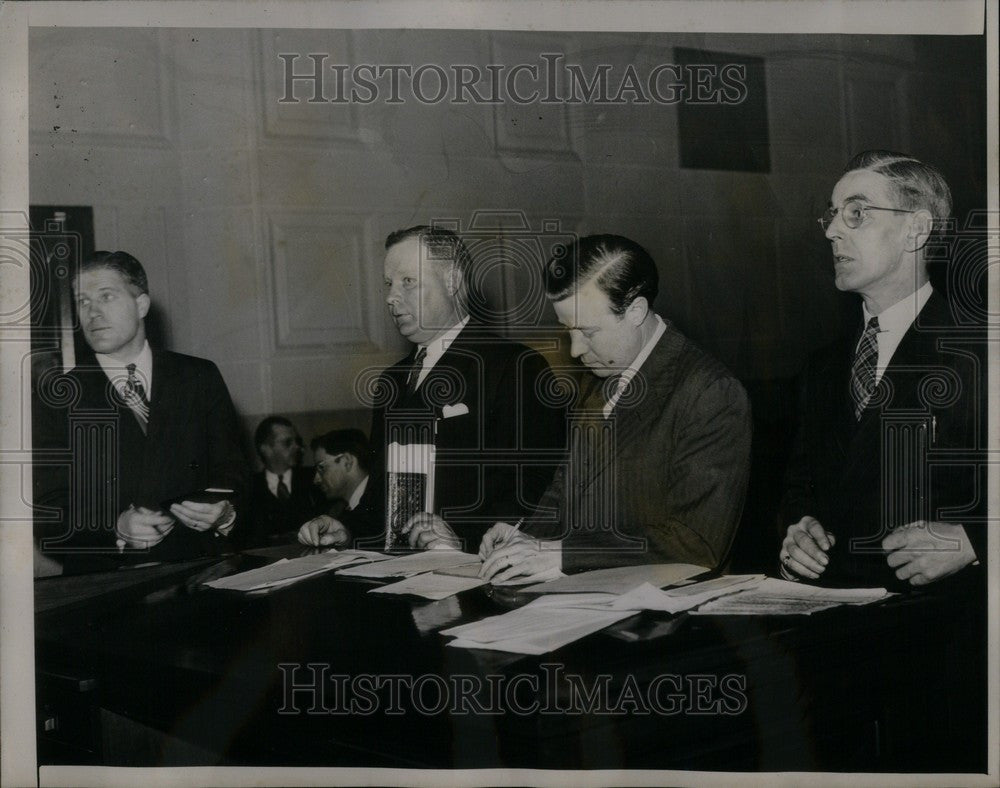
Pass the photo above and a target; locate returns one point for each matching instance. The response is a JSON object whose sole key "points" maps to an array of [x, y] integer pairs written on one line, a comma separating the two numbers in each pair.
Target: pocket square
{"points": [[450, 411]]}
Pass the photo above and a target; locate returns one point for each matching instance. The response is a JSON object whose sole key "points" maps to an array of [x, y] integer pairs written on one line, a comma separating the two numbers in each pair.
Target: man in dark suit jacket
{"points": [[884, 484], [343, 465], [465, 404], [660, 436], [282, 495], [130, 429]]}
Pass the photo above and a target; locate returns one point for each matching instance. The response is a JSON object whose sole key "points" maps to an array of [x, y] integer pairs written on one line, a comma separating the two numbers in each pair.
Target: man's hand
{"points": [[427, 531], [324, 531], [508, 554], [203, 516], [143, 528], [804, 549], [922, 552]]}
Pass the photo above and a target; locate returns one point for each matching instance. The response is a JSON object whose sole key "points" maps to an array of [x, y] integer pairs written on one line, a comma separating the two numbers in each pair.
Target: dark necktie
{"points": [[282, 490], [415, 369], [863, 369], [135, 398]]}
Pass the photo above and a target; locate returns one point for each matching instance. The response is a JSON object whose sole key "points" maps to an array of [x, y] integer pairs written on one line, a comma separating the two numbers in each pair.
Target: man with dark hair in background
{"points": [[465, 403], [343, 463], [135, 427], [866, 502], [661, 456], [282, 495]]}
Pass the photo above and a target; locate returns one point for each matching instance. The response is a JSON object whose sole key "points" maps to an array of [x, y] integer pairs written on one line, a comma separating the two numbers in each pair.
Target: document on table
{"points": [[413, 564], [773, 597], [431, 585], [677, 600], [288, 571], [534, 629], [620, 579]]}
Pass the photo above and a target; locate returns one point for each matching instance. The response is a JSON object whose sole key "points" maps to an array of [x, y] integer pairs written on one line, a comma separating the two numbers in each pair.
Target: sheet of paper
{"points": [[676, 600], [773, 597], [412, 564], [620, 580], [288, 571], [535, 631], [431, 585]]}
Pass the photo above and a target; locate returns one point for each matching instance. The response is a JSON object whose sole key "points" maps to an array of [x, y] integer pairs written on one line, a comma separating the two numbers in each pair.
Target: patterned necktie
{"points": [[135, 398], [282, 490], [863, 369], [415, 368]]}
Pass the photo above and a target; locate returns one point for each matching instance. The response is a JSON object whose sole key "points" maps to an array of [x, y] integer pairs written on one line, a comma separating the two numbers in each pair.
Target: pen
{"points": [[517, 527]]}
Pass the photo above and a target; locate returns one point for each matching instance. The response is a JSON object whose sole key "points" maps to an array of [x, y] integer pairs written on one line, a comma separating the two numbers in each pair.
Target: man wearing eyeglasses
{"points": [[342, 464], [883, 483]]}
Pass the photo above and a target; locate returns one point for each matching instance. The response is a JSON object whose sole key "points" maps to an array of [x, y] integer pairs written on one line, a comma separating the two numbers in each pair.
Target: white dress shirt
{"points": [[356, 495], [437, 348], [272, 480], [893, 323], [118, 375], [632, 369]]}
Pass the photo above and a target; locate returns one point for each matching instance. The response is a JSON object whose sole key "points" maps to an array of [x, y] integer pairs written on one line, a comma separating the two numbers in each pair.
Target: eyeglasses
{"points": [[320, 467], [853, 213]]}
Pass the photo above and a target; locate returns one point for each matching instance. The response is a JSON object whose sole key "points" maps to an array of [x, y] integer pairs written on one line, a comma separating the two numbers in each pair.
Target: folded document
{"points": [[286, 571]]}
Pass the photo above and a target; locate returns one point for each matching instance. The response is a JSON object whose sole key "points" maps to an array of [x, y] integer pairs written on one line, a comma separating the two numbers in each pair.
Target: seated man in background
{"points": [[342, 465], [884, 483], [282, 495], [466, 406], [129, 429], [660, 436]]}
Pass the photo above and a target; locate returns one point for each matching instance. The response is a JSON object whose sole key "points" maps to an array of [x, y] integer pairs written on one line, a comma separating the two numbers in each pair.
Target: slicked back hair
{"points": [[263, 432], [622, 269], [350, 441], [441, 245], [916, 185], [125, 264]]}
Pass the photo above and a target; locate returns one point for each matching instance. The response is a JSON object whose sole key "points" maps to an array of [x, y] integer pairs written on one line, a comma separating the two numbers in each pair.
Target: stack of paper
{"points": [[431, 585], [286, 571], [539, 627], [772, 597], [620, 579], [413, 564], [677, 600]]}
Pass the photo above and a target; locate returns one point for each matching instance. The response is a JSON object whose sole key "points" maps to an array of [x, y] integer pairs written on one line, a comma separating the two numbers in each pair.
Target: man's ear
{"points": [[636, 312], [921, 227], [349, 461], [142, 302], [453, 281]]}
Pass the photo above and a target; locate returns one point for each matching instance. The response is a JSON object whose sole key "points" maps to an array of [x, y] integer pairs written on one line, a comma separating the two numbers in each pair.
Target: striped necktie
{"points": [[415, 370], [135, 398], [863, 369]]}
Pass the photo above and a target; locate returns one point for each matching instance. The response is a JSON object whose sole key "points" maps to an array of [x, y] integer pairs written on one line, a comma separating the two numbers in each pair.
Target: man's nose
{"points": [[576, 344], [833, 228]]}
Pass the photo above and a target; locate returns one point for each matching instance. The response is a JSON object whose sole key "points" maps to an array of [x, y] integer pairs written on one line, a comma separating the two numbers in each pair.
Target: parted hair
{"points": [[915, 184], [125, 264], [622, 269]]}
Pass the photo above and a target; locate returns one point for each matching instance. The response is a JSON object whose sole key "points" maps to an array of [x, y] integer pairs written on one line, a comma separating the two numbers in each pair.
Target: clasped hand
{"points": [[324, 531], [920, 552], [143, 528], [426, 531]]}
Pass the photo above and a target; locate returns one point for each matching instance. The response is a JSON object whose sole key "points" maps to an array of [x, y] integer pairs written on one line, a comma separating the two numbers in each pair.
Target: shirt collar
{"points": [[900, 316], [437, 347], [113, 368], [356, 495], [630, 371], [272, 479]]}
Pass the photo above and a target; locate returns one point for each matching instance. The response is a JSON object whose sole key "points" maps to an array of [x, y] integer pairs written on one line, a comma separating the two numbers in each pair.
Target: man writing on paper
{"points": [[342, 465], [866, 503], [143, 426], [660, 437], [460, 433]]}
